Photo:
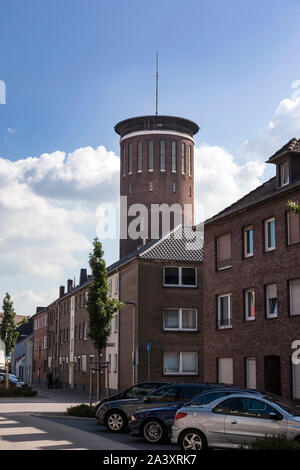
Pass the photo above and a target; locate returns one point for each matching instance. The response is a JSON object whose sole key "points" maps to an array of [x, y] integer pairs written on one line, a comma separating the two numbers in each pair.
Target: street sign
{"points": [[148, 346]]}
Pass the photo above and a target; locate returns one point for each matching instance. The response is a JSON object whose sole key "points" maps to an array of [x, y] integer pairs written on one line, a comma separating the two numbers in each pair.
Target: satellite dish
{"points": [[2, 353]]}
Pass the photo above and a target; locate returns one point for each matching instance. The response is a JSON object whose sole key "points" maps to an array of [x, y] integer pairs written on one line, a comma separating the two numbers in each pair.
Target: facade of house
{"points": [[40, 345], [251, 271]]}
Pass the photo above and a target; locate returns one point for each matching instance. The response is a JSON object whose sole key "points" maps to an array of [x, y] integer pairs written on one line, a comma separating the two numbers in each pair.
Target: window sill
{"points": [[271, 317], [179, 286], [224, 267], [150, 171], [180, 373], [181, 330], [267, 250], [224, 327], [250, 319], [248, 255]]}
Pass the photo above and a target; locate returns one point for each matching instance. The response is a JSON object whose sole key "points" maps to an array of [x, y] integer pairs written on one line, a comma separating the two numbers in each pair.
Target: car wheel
{"points": [[153, 431], [116, 421], [192, 440]]}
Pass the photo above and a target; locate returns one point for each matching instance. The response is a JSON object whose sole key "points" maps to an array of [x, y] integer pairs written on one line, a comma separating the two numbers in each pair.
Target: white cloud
{"points": [[284, 125], [26, 301], [220, 180]]}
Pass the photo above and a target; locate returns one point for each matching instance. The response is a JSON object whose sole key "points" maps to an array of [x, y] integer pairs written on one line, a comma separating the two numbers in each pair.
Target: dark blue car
{"points": [[155, 424]]}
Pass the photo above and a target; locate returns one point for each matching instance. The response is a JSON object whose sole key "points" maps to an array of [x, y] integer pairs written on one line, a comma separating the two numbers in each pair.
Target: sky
{"points": [[72, 69]]}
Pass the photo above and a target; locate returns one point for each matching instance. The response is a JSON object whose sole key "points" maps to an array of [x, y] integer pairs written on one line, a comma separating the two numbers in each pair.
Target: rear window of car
{"points": [[207, 398]]}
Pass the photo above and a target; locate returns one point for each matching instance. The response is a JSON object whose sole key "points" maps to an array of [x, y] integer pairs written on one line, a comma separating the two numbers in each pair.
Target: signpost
{"points": [[148, 349]]}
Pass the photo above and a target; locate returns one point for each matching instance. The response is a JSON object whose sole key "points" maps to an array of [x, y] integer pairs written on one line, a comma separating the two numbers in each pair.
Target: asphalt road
{"points": [[23, 426]]}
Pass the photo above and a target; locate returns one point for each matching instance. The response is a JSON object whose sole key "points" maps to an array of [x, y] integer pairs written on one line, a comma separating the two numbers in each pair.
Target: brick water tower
{"points": [[157, 167]]}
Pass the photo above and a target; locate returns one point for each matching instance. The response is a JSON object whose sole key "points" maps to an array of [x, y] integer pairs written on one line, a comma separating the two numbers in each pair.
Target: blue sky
{"points": [[74, 68]]}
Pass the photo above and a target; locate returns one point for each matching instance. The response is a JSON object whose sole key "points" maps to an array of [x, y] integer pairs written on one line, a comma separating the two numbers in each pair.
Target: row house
{"points": [[40, 345], [252, 285]]}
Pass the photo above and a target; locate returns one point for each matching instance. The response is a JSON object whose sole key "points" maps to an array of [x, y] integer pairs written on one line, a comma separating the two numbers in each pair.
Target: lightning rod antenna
{"points": [[156, 109]]}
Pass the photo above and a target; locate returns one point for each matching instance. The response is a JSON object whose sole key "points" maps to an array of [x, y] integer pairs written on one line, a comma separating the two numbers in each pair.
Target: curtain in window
{"points": [[189, 319], [189, 362], [171, 319], [171, 362]]}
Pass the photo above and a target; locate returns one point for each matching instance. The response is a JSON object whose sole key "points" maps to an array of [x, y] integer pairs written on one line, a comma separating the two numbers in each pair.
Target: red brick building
{"points": [[252, 285], [40, 345]]}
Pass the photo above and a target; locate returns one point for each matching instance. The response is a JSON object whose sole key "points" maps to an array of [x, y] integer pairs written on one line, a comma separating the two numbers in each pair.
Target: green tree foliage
{"points": [[8, 327], [294, 207], [100, 307]]}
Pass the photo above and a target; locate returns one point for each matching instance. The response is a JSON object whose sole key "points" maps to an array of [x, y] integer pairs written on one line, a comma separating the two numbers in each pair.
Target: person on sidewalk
{"points": [[50, 379]]}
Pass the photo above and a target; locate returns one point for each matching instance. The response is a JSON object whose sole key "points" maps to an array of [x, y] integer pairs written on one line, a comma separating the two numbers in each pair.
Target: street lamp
{"points": [[133, 342]]}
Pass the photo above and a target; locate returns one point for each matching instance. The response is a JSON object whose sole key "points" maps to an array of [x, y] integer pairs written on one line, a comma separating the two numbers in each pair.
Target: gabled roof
{"points": [[181, 244], [292, 145]]}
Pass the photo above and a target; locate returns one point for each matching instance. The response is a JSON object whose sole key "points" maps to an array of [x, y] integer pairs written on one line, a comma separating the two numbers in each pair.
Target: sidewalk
{"points": [[65, 393]]}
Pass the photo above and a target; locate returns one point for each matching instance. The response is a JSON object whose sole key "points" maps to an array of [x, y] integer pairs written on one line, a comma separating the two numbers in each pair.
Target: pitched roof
{"points": [[181, 244], [292, 145]]}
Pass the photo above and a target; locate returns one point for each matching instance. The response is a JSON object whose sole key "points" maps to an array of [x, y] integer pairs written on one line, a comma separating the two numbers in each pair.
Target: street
{"points": [[23, 426]]}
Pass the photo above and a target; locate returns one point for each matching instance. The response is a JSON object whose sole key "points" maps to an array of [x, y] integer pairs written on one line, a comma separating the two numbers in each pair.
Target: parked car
{"points": [[155, 425], [116, 414], [137, 391], [236, 420], [12, 380]]}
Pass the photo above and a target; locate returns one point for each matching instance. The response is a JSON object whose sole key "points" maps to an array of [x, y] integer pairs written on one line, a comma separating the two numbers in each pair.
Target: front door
{"points": [[272, 374]]}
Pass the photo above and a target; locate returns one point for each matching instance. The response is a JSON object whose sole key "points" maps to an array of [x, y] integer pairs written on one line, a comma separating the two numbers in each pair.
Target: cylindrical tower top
{"points": [[157, 123]]}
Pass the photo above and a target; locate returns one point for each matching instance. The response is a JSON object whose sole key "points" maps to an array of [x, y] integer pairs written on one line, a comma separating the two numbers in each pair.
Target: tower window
{"points": [[150, 155], [150, 186], [183, 158], [129, 189], [162, 155], [174, 156], [130, 159], [140, 157], [174, 187], [190, 160], [123, 160], [190, 191]]}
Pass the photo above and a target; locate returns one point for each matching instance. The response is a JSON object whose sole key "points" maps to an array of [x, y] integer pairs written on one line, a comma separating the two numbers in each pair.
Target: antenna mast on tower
{"points": [[156, 109]]}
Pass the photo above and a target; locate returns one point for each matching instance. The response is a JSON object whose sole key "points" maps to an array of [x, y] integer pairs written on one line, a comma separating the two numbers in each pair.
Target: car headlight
{"points": [[133, 418]]}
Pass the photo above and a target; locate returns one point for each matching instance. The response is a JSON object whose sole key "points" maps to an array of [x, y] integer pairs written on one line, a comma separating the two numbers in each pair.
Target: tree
{"points": [[294, 207], [8, 329], [100, 307]]}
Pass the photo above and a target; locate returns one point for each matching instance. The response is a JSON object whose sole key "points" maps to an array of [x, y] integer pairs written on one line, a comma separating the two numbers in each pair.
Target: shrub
{"points": [[81, 411], [14, 391], [280, 442]]}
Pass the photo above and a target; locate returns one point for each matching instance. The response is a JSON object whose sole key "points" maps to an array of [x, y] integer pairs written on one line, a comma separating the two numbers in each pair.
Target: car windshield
{"points": [[164, 394], [139, 391], [206, 398], [285, 404]]}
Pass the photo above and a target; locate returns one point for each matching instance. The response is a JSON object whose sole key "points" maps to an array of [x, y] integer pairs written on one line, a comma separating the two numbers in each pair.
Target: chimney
{"points": [[70, 285], [61, 291], [83, 276]]}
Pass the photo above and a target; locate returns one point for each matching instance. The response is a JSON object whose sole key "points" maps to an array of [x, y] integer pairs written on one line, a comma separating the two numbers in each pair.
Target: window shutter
{"points": [[225, 370], [293, 228], [295, 297], [272, 291], [224, 250]]}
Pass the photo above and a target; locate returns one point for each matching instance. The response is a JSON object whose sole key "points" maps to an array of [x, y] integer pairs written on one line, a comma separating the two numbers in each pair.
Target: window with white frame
{"points": [[116, 323], [271, 300], [109, 286], [45, 342], [284, 174], [295, 297], [183, 158], [117, 284], [190, 160], [180, 363], [83, 363], [123, 160], [162, 155], [184, 319], [251, 372], [139, 157], [174, 187], [224, 311], [150, 155], [225, 370], [174, 156], [248, 241], [85, 331], [270, 234], [180, 276], [249, 304], [150, 186]]}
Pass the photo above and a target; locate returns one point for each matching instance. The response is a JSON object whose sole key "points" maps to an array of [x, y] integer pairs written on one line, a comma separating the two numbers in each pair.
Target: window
{"points": [[248, 241], [295, 297], [174, 156], [83, 363], [183, 158], [224, 251], [162, 155], [116, 322], [129, 189], [180, 277], [293, 228], [249, 304], [123, 160], [85, 331], [225, 370], [174, 187], [167, 393], [224, 311], [190, 160], [284, 174], [296, 381], [271, 300], [270, 234], [129, 159], [150, 186], [109, 362], [109, 286], [150, 155], [251, 372], [180, 363], [139, 157], [45, 342], [115, 362], [180, 319]]}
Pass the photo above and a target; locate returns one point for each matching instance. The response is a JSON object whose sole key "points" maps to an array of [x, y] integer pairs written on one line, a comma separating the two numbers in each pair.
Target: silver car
{"points": [[235, 420]]}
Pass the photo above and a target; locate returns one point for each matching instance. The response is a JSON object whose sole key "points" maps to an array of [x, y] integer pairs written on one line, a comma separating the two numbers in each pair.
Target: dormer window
{"points": [[284, 174]]}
